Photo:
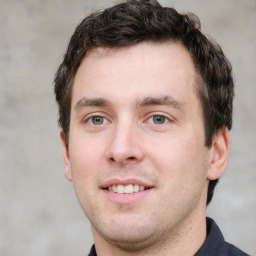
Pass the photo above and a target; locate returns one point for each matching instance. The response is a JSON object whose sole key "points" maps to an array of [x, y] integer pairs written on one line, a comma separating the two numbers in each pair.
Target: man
{"points": [[145, 105]]}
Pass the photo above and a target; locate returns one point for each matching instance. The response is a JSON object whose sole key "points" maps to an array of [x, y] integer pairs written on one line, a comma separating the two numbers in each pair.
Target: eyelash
{"points": [[166, 119], [89, 119]]}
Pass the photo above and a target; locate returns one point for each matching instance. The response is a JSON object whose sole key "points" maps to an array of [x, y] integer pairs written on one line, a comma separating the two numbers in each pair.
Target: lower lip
{"points": [[126, 198]]}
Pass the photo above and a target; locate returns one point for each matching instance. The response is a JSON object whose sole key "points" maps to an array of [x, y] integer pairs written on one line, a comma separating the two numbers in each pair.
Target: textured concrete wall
{"points": [[39, 214]]}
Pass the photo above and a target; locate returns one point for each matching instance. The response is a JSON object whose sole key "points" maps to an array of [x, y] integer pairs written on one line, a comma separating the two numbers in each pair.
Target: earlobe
{"points": [[220, 152], [66, 157]]}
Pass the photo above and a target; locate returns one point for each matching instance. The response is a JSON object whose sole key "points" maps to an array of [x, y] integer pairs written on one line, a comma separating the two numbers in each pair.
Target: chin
{"points": [[131, 241], [131, 236]]}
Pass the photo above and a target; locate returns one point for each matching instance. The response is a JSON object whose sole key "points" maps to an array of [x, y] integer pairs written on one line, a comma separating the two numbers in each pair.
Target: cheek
{"points": [[170, 153], [182, 170], [84, 157], [85, 148], [84, 165], [180, 159]]}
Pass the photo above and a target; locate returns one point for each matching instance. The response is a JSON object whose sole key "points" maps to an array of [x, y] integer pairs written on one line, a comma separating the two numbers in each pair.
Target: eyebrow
{"points": [[93, 102], [165, 100], [148, 101]]}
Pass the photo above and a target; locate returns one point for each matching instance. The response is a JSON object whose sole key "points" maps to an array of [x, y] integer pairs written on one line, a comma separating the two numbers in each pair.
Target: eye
{"points": [[97, 120], [157, 119]]}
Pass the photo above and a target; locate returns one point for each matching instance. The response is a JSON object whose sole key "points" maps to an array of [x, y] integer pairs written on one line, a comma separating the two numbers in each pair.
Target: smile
{"points": [[128, 189]]}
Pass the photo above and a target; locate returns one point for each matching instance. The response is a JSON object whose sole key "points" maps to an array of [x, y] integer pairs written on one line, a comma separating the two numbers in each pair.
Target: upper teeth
{"points": [[121, 189]]}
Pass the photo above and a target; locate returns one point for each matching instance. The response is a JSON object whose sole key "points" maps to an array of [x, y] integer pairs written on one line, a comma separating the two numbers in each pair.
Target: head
{"points": [[134, 22]]}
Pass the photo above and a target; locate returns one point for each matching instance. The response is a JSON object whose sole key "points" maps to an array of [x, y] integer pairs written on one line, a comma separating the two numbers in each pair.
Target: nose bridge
{"points": [[124, 144]]}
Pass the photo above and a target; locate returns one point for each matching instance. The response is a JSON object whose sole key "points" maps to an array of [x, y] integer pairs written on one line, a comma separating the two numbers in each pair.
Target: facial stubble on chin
{"points": [[138, 243]]}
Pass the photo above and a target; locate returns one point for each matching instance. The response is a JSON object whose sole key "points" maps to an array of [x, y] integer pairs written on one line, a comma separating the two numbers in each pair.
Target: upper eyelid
{"points": [[90, 120], [166, 121], [94, 114], [107, 116], [168, 116]]}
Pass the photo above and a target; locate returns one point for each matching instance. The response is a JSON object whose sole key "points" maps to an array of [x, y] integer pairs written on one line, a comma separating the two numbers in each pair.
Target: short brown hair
{"points": [[135, 21]]}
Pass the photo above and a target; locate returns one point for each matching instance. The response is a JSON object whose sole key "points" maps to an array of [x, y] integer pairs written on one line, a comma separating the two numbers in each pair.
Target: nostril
{"points": [[112, 159], [131, 158]]}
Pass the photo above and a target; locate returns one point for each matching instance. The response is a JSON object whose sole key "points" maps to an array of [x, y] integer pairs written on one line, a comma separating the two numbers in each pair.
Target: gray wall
{"points": [[39, 214]]}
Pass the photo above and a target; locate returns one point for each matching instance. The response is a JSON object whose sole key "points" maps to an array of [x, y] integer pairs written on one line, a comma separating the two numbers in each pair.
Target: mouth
{"points": [[126, 189]]}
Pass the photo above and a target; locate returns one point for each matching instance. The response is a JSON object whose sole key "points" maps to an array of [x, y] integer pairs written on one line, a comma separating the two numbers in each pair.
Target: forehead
{"points": [[133, 71]]}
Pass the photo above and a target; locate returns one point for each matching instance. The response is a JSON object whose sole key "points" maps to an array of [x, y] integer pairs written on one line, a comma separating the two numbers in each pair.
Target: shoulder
{"points": [[215, 245], [231, 250]]}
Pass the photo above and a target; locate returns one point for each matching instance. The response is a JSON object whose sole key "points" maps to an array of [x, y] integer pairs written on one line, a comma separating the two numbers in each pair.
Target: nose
{"points": [[125, 146]]}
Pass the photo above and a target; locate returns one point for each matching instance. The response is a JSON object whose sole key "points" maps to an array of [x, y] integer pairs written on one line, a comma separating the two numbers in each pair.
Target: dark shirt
{"points": [[214, 244]]}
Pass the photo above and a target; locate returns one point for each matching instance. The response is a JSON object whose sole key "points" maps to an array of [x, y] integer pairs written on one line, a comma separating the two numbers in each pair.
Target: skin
{"points": [[117, 95]]}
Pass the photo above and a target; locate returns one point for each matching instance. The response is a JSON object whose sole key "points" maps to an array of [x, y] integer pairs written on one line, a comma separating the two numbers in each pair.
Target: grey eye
{"points": [[97, 120], [159, 119]]}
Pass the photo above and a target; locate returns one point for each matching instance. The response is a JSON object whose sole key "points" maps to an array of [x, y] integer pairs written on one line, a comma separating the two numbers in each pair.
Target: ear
{"points": [[66, 157], [219, 157]]}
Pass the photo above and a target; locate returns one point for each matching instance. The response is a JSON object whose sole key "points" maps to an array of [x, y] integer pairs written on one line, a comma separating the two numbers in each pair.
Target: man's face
{"points": [[137, 128]]}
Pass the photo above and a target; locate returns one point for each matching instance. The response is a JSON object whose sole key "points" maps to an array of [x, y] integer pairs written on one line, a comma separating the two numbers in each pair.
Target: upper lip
{"points": [[125, 182]]}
